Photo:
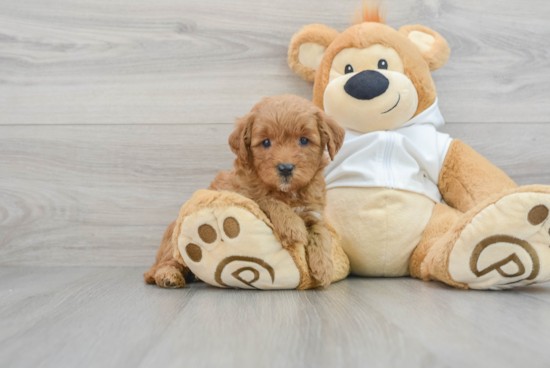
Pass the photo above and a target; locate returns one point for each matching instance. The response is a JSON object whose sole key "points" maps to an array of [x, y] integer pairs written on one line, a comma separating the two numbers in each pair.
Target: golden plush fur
{"points": [[434, 263], [372, 31], [294, 204], [357, 76], [437, 55], [314, 33], [467, 178], [442, 220], [370, 11]]}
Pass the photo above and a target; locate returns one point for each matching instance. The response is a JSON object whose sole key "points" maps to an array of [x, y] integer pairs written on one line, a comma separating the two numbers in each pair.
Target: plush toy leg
{"points": [[442, 220], [501, 243], [227, 241]]}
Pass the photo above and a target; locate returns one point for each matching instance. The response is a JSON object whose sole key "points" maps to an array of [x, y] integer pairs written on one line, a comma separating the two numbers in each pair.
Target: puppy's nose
{"points": [[285, 169], [366, 85]]}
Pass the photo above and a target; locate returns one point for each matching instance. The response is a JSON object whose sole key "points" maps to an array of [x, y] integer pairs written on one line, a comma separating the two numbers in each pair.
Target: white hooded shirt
{"points": [[409, 157]]}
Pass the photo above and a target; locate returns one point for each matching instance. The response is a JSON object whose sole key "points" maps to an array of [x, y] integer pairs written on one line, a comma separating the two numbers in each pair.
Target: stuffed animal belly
{"points": [[379, 227]]}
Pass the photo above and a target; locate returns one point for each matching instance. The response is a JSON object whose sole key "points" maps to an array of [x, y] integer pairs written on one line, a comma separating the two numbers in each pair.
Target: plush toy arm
{"points": [[468, 178]]}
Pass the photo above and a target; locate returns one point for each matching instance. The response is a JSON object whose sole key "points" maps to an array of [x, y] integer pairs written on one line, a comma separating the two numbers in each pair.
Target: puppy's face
{"points": [[286, 150], [284, 138]]}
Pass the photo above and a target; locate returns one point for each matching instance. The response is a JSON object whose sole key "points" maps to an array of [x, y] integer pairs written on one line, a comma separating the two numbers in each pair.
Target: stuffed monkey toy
{"points": [[405, 198]]}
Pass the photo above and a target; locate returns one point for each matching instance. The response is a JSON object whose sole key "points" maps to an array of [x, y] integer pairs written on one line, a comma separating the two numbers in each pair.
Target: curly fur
{"points": [[294, 205]]}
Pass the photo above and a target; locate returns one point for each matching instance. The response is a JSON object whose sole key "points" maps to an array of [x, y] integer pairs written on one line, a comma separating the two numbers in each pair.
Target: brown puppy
{"points": [[280, 149]]}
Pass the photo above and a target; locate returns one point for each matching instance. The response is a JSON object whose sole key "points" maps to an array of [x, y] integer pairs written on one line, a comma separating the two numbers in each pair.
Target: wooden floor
{"points": [[107, 317], [112, 113]]}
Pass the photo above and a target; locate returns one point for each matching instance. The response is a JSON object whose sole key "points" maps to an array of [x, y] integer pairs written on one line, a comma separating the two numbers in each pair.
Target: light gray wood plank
{"points": [[520, 150], [107, 317], [195, 61], [99, 194], [103, 195]]}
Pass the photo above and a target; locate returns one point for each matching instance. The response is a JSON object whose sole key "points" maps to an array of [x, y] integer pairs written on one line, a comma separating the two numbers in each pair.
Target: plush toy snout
{"points": [[371, 100], [366, 85]]}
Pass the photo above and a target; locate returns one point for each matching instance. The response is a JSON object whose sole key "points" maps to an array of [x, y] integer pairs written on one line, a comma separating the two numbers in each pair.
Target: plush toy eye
{"points": [[382, 64], [266, 143], [304, 141], [349, 69]]}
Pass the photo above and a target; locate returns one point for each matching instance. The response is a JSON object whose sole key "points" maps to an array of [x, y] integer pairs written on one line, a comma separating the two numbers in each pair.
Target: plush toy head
{"points": [[369, 77]]}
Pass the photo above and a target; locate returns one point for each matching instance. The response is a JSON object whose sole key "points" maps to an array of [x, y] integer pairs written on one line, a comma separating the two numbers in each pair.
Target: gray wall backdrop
{"points": [[112, 113]]}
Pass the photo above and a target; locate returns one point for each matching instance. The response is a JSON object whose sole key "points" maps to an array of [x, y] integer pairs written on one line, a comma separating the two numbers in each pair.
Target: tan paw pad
{"points": [[506, 245], [230, 247]]}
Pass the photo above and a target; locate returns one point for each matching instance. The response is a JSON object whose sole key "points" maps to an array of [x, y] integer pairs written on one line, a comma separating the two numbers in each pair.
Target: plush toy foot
{"points": [[503, 245], [230, 247], [227, 241]]}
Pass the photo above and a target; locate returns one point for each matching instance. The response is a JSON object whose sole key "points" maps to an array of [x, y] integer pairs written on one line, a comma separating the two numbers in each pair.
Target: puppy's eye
{"points": [[349, 69], [382, 64], [304, 141], [266, 143]]}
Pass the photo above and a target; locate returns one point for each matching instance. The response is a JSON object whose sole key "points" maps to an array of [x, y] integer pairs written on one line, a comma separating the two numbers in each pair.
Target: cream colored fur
{"points": [[379, 227], [310, 54]]}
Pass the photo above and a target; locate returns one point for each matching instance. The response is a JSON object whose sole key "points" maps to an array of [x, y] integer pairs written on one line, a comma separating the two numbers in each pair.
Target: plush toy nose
{"points": [[285, 169], [366, 85]]}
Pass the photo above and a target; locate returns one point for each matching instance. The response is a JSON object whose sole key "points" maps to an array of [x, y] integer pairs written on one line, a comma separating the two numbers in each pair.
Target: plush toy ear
{"points": [[332, 134], [239, 140], [307, 48], [433, 47]]}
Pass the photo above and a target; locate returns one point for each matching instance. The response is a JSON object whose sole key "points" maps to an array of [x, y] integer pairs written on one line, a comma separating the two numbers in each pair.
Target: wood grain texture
{"points": [[103, 195], [99, 194], [107, 317], [112, 113], [196, 61]]}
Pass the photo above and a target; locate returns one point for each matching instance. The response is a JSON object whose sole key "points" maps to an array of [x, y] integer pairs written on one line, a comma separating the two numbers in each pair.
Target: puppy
{"points": [[280, 147]]}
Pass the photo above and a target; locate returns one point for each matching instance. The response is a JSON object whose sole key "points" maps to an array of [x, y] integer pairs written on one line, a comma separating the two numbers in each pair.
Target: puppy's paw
{"points": [[169, 277], [320, 265], [319, 251], [292, 232]]}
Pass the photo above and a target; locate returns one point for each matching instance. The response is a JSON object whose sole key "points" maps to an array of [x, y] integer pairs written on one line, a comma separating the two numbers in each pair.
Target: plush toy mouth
{"points": [[394, 106]]}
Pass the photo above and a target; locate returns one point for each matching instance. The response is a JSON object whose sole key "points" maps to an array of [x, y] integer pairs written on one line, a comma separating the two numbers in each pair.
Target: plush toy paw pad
{"points": [[506, 245], [538, 214], [194, 252], [230, 247]]}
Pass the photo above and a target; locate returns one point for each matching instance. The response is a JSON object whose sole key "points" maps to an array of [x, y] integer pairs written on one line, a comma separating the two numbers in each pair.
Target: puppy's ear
{"points": [[240, 139], [332, 134]]}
